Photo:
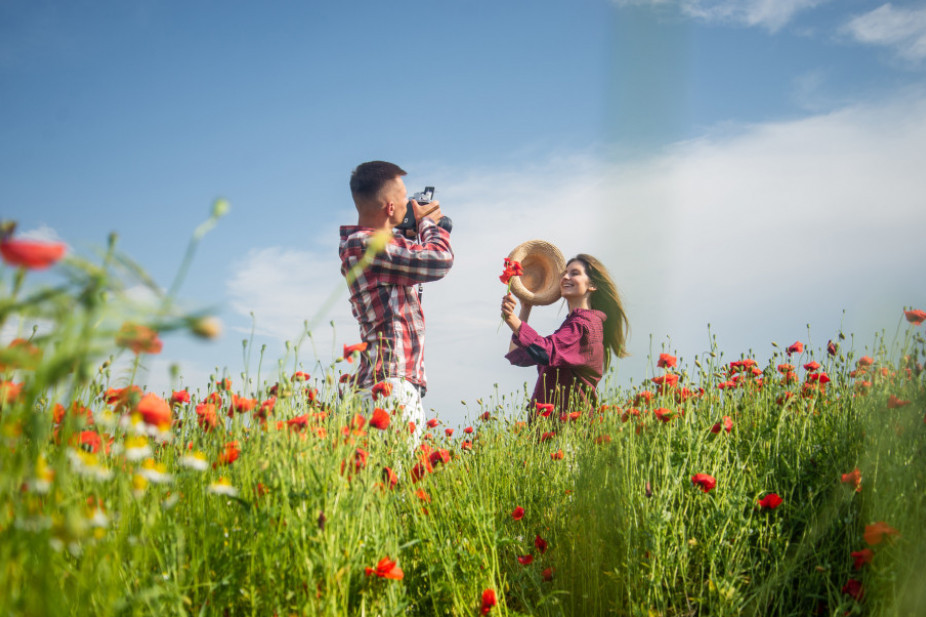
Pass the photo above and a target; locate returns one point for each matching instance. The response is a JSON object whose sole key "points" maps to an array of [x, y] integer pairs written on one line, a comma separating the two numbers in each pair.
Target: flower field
{"points": [[723, 487]]}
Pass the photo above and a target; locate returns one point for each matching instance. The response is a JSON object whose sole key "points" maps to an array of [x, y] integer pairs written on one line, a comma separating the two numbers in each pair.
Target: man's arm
{"points": [[406, 263]]}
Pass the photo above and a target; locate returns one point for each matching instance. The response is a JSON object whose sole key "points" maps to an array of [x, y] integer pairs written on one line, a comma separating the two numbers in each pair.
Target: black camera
{"points": [[409, 226]]}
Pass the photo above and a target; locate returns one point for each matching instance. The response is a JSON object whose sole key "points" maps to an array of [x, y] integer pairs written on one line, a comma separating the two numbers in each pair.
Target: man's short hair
{"points": [[367, 180]]}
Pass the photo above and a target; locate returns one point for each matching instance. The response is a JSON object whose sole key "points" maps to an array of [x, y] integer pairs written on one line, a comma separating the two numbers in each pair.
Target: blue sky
{"points": [[752, 165]]}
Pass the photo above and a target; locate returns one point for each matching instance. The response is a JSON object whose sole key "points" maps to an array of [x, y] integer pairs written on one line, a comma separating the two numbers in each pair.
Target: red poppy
{"points": [[525, 560], [298, 423], [916, 317], [448, 432], [179, 397], [433, 422], [544, 409], [466, 445], [518, 513], [300, 376], [350, 349], [667, 380], [31, 254], [541, 544], [468, 430], [386, 568], [854, 589], [138, 338], [770, 501], [206, 416], [486, 416], [705, 481], [421, 469], [742, 365], [862, 557], [488, 601], [512, 268], [383, 388], [854, 478], [727, 425], [785, 368], [230, 454], [423, 495], [439, 456], [557, 456], [831, 348], [547, 575], [390, 477], [380, 419], [876, 532], [89, 441], [241, 404], [797, 347], [666, 361], [812, 366], [154, 410], [894, 402]]}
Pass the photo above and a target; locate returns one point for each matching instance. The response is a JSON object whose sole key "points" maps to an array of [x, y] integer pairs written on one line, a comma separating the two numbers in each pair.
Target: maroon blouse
{"points": [[571, 360]]}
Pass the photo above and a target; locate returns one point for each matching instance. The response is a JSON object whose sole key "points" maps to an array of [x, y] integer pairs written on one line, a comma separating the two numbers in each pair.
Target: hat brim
{"points": [[543, 266]]}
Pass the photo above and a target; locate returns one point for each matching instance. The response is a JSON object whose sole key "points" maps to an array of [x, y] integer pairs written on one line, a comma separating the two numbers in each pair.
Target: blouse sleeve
{"points": [[562, 348]]}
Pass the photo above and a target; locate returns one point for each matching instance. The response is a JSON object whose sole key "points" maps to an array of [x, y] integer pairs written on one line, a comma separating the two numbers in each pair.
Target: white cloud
{"points": [[757, 231], [769, 14], [900, 28]]}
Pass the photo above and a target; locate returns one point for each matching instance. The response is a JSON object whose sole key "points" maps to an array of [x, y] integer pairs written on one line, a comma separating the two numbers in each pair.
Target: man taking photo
{"points": [[384, 271]]}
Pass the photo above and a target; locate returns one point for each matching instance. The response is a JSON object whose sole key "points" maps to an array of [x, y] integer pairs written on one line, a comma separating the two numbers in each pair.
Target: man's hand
{"points": [[432, 209]]}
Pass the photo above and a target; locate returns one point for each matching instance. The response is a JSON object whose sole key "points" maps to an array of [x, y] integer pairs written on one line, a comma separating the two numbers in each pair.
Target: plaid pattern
{"points": [[384, 299]]}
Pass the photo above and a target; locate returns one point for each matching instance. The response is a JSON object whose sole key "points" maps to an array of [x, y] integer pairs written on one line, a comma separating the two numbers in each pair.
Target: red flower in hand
{"points": [[512, 268]]}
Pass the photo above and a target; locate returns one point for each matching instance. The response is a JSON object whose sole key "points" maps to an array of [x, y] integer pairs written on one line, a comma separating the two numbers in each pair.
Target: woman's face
{"points": [[575, 282]]}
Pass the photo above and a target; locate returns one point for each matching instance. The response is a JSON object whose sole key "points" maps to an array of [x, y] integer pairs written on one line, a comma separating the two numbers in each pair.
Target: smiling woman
{"points": [[571, 361]]}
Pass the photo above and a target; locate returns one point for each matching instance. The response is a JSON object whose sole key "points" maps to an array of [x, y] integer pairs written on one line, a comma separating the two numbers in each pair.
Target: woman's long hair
{"points": [[605, 298]]}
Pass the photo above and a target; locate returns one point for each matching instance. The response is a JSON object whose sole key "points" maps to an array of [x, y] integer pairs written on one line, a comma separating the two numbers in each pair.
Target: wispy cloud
{"points": [[900, 28], [758, 231], [769, 14]]}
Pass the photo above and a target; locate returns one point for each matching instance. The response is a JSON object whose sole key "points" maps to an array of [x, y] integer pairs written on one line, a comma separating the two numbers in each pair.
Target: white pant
{"points": [[406, 398]]}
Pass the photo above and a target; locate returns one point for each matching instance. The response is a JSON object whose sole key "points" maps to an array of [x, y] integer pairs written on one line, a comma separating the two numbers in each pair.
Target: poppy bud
{"points": [[206, 327]]}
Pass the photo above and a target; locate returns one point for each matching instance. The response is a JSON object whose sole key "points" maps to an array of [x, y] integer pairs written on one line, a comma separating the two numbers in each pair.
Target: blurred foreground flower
{"points": [[138, 338], [222, 486], [31, 254], [875, 533]]}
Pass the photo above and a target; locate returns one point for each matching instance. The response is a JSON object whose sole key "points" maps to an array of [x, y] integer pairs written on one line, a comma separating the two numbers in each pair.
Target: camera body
{"points": [[409, 226]]}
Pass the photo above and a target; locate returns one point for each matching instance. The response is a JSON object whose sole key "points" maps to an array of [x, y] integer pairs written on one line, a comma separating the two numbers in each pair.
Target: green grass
{"points": [[627, 531]]}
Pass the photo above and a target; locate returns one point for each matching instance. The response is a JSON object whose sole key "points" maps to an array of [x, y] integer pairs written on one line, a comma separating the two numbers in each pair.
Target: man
{"points": [[384, 271]]}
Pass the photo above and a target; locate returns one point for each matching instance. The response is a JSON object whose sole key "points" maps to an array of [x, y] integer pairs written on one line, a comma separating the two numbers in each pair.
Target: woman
{"points": [[570, 361]]}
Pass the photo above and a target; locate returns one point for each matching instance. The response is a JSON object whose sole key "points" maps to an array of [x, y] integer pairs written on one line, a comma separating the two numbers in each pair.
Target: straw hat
{"points": [[543, 265]]}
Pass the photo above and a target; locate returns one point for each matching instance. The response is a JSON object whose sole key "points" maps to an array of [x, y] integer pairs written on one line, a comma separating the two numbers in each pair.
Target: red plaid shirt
{"points": [[384, 298]]}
